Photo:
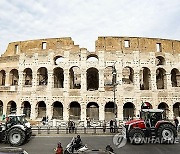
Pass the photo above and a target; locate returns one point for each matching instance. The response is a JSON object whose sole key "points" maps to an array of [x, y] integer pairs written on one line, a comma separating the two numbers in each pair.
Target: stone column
{"points": [[50, 80], [83, 111], [66, 80], [7, 81], [101, 80], [48, 110], [168, 81], [153, 79], [101, 112]]}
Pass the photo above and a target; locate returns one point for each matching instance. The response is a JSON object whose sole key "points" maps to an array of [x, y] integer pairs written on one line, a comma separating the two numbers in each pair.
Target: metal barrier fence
{"points": [[77, 130]]}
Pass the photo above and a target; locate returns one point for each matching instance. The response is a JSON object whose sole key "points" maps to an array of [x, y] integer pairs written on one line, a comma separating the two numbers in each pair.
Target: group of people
{"points": [[113, 125]]}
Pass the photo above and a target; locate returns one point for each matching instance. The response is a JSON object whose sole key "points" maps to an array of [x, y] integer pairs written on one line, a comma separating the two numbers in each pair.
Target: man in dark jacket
{"points": [[77, 143], [111, 126]]}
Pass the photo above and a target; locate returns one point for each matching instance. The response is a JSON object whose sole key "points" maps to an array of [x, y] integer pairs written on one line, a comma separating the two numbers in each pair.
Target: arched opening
{"points": [[175, 78], [14, 77], [108, 78], [42, 76], [128, 111], [92, 79], [26, 108], [145, 78], [2, 77], [27, 76], [92, 58], [92, 111], [75, 77], [11, 107], [75, 111], [58, 77], [176, 109], [58, 60], [146, 105], [110, 111], [160, 60], [161, 78], [1, 108], [41, 107], [57, 110], [128, 75], [164, 107]]}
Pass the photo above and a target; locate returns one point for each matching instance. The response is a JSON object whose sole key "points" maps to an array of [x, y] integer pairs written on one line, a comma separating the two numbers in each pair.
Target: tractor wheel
{"points": [[167, 133], [136, 136], [16, 137]]}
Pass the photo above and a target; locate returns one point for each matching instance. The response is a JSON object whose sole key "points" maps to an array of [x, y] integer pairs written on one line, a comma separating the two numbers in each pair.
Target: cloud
{"points": [[85, 20]]}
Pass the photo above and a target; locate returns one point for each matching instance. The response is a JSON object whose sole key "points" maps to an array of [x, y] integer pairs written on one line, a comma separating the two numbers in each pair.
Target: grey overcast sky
{"points": [[85, 20]]}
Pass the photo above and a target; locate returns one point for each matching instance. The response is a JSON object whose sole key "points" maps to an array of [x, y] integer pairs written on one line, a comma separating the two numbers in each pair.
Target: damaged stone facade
{"points": [[55, 78]]}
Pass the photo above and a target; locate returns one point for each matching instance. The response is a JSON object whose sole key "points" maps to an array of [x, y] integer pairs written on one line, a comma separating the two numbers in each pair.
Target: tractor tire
{"points": [[167, 133], [16, 137], [136, 136]]}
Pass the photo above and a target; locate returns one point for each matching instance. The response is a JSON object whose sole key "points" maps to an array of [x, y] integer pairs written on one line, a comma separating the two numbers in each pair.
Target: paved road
{"points": [[45, 145]]}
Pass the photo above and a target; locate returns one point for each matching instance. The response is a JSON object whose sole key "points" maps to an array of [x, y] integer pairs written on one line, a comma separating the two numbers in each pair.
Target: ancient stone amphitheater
{"points": [[55, 78]]}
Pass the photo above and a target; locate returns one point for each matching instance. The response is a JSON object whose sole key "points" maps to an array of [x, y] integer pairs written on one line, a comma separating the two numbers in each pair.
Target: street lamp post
{"points": [[114, 74]]}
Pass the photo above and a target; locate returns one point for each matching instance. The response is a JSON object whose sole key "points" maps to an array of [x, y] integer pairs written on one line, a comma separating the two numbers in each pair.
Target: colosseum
{"points": [[56, 78]]}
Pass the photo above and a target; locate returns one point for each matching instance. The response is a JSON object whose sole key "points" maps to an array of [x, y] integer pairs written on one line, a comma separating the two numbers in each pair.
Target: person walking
{"points": [[111, 126], [176, 121], [59, 149], [104, 126]]}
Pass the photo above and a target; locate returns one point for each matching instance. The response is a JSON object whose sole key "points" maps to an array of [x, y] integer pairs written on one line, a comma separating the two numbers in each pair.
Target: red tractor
{"points": [[150, 126]]}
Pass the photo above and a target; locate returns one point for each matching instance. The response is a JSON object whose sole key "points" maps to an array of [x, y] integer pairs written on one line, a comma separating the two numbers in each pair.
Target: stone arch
{"points": [[58, 77], [92, 58], [41, 109], [92, 111], [164, 107], [58, 59], [92, 79], [175, 78], [176, 109], [42, 75], [74, 111], [11, 107], [26, 108], [108, 78], [110, 111], [27, 76], [128, 110], [75, 77], [14, 77], [160, 60], [1, 108], [145, 78], [128, 75], [57, 110], [2, 77], [161, 78]]}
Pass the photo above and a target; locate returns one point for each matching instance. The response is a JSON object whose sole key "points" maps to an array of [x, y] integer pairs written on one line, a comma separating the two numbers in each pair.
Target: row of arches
{"points": [[92, 109], [92, 77]]}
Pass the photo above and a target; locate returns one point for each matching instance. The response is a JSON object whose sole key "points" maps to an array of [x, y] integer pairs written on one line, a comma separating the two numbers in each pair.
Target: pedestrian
{"points": [[73, 126], [59, 149], [115, 126], [69, 126], [111, 126], [176, 121], [104, 126], [88, 121]]}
